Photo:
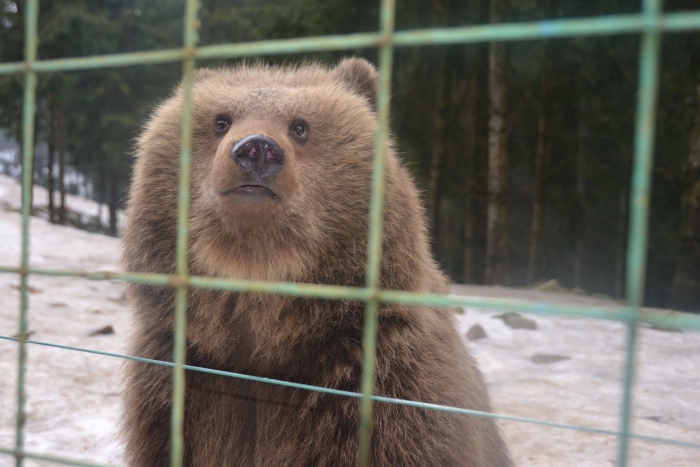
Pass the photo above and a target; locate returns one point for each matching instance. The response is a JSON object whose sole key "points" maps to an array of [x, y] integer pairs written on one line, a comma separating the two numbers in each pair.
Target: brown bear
{"points": [[281, 174]]}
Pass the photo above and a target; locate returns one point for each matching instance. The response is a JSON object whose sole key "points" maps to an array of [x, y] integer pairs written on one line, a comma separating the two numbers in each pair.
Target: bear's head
{"points": [[281, 167]]}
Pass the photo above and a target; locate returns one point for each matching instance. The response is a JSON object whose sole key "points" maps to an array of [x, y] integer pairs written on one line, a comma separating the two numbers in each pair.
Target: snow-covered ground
{"points": [[73, 397]]}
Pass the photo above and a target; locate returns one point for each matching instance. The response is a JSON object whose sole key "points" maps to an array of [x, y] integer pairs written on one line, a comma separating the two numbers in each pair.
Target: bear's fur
{"points": [[308, 223]]}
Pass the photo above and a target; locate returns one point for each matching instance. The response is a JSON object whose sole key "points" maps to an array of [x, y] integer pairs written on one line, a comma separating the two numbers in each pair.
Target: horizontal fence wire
{"points": [[336, 292], [547, 29], [649, 23], [388, 400]]}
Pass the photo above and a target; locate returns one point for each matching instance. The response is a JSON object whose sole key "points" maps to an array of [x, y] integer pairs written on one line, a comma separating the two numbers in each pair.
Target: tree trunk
{"points": [[497, 266], [33, 169], [61, 143], [539, 200], [113, 204], [686, 282], [20, 153], [100, 227], [475, 153], [542, 153], [471, 177], [32, 162], [621, 248], [50, 185], [111, 193], [541, 170], [476, 168], [581, 194], [439, 144]]}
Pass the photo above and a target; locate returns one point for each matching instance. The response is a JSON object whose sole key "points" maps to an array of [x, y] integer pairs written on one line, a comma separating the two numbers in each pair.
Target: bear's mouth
{"points": [[251, 190]]}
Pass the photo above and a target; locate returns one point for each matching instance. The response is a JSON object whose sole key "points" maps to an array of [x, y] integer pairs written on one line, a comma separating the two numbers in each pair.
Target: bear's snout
{"points": [[259, 157]]}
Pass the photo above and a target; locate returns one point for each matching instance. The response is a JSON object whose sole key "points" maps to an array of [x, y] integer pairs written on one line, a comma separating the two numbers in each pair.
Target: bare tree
{"points": [[61, 143], [472, 179], [686, 283], [541, 169], [621, 242], [110, 187], [497, 262], [439, 144], [475, 112], [51, 140]]}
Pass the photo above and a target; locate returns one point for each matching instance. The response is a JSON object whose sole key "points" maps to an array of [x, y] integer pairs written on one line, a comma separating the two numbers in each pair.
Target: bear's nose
{"points": [[258, 156]]}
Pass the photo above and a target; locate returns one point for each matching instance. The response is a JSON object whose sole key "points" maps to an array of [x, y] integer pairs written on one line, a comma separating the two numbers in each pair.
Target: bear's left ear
{"points": [[361, 77]]}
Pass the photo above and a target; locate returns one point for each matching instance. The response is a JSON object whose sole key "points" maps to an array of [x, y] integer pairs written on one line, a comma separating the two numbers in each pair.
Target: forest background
{"points": [[523, 149]]}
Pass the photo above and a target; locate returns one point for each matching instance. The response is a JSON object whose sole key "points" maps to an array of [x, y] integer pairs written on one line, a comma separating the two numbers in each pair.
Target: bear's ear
{"points": [[361, 77]]}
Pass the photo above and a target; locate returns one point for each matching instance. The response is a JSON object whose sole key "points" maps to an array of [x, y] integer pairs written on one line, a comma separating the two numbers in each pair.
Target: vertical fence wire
{"points": [[29, 109], [374, 247], [639, 205], [183, 207]]}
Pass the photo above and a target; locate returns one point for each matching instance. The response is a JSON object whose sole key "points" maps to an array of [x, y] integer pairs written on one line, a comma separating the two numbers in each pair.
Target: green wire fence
{"points": [[650, 24]]}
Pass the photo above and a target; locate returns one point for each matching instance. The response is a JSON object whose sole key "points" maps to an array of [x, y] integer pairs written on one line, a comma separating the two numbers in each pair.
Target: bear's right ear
{"points": [[361, 77]]}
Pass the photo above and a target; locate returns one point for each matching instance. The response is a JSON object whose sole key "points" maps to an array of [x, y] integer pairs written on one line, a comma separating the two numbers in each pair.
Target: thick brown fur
{"points": [[314, 230]]}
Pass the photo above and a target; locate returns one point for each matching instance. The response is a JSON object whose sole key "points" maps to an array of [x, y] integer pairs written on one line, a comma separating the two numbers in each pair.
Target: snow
{"points": [[586, 389], [73, 397]]}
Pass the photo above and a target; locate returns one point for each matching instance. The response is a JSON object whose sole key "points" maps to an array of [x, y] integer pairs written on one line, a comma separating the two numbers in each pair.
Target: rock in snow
{"points": [[515, 321], [548, 358], [476, 332]]}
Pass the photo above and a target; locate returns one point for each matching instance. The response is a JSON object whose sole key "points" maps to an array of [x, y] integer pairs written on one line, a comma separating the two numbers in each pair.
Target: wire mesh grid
{"points": [[650, 23]]}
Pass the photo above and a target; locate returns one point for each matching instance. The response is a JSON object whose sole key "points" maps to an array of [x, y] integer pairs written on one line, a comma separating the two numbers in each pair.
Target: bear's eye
{"points": [[299, 130], [221, 125]]}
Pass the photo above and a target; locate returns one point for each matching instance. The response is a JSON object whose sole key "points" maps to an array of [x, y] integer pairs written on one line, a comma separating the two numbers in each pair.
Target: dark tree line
{"points": [[524, 149]]}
